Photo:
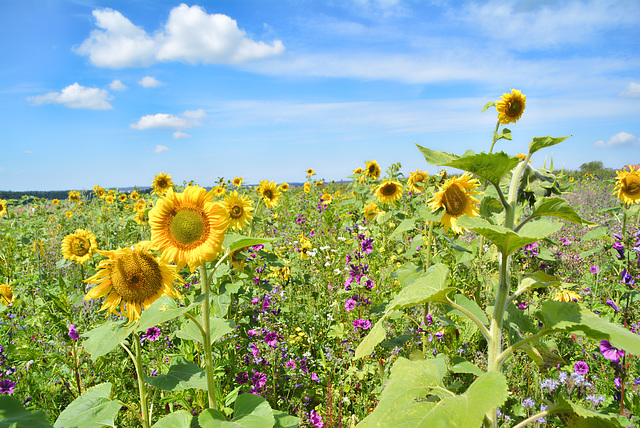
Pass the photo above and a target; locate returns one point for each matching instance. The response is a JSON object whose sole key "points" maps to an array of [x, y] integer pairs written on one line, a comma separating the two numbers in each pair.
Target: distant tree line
{"points": [[593, 166], [57, 194]]}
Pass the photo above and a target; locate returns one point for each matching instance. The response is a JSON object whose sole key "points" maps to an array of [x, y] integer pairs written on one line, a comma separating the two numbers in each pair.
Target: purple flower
{"points": [[259, 380], [619, 248], [367, 245], [253, 332], [153, 334], [290, 365], [613, 305], [315, 419], [350, 304], [594, 269], [73, 334], [314, 377], [581, 367], [617, 382], [626, 277], [7, 386], [609, 352], [271, 339], [528, 402], [531, 250], [429, 319], [522, 306], [242, 377], [362, 323]]}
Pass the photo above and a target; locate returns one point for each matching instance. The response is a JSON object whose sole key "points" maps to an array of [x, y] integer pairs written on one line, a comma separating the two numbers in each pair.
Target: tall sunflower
{"points": [[456, 196], [3, 207], [219, 191], [162, 183], [188, 227], [99, 191], [373, 170], [510, 107], [417, 181], [134, 195], [6, 294], [239, 209], [307, 187], [74, 196], [283, 187], [270, 193], [311, 172], [389, 191], [122, 197], [79, 246], [133, 278], [628, 185], [237, 182]]}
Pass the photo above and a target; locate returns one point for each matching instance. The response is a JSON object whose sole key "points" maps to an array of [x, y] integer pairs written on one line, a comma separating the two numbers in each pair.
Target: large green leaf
{"points": [[472, 307], [163, 310], [219, 327], [102, 340], [405, 225], [375, 336], [183, 374], [178, 419], [14, 415], [490, 166], [583, 417], [569, 316], [235, 242], [410, 399], [249, 411], [94, 408], [542, 142], [558, 207], [284, 420], [436, 158], [506, 239]]}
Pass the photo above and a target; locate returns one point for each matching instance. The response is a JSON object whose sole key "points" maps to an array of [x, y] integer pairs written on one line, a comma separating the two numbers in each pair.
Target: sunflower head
{"points": [[417, 181], [132, 279], [566, 296], [305, 247], [122, 197], [68, 214], [284, 187], [141, 218], [389, 191], [239, 209], [134, 195], [628, 185], [219, 191], [357, 171], [79, 246], [188, 227], [237, 182], [109, 199], [307, 187], [373, 170], [6, 293], [270, 193], [370, 211], [311, 172], [326, 198], [510, 106], [456, 197], [74, 196], [319, 183], [55, 202], [162, 183], [238, 258], [3, 207]]}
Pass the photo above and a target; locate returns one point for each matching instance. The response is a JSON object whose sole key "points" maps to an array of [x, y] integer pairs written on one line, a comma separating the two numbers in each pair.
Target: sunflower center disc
{"points": [[632, 185], [136, 277], [187, 227], [79, 247], [389, 189], [267, 194], [514, 108], [236, 211], [454, 200]]}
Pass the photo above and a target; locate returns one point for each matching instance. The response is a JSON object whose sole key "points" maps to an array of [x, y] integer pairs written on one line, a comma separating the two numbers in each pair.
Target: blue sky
{"points": [[114, 92]]}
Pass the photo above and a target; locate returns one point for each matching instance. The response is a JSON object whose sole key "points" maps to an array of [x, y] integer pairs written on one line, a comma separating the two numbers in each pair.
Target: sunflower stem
{"points": [[206, 325], [494, 137], [142, 387]]}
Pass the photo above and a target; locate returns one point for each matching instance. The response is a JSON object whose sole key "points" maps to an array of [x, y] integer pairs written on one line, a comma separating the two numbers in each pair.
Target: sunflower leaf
{"points": [[436, 158], [541, 142], [249, 411], [406, 225], [94, 408], [162, 310], [219, 328], [102, 340], [558, 207], [490, 166], [178, 419], [13, 412], [183, 374], [235, 242], [487, 105], [587, 417]]}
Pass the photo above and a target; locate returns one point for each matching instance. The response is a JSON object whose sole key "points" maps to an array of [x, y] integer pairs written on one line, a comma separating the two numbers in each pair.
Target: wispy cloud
{"points": [[180, 134], [117, 85], [76, 96], [632, 90], [189, 35], [621, 139], [160, 149]]}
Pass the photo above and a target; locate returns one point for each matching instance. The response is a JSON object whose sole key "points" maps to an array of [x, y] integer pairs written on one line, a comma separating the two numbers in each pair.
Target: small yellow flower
{"points": [[566, 296], [6, 292], [219, 191], [122, 197], [68, 214], [237, 182], [357, 171], [370, 211], [417, 181], [74, 196], [55, 202], [162, 183], [373, 170]]}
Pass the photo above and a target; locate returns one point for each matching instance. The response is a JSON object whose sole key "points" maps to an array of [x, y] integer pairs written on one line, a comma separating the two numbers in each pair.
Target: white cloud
{"points": [[160, 149], [117, 85], [195, 114], [632, 90], [29, 152], [149, 82], [621, 139], [161, 121], [180, 134], [76, 96], [190, 35]]}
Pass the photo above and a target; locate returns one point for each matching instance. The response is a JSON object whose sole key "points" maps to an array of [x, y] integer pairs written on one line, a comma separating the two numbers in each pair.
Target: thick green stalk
{"points": [[206, 326], [142, 387]]}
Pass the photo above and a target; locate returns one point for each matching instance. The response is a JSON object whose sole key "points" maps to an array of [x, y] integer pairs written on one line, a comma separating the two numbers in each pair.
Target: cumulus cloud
{"points": [[632, 90], [169, 121], [180, 134], [149, 82], [194, 114], [160, 148], [117, 85], [76, 96], [190, 35], [621, 139]]}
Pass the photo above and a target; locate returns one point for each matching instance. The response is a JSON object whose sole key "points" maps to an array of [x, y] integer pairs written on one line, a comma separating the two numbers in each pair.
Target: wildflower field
{"points": [[504, 295]]}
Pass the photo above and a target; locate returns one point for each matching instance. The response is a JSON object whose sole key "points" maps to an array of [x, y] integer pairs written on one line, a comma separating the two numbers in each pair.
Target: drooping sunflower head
{"points": [[270, 193], [162, 183], [132, 279], [566, 296], [74, 196], [456, 197], [239, 209], [370, 211], [628, 185], [311, 172], [510, 106], [237, 182], [3, 207], [389, 191], [99, 191], [357, 171], [6, 292], [283, 187], [238, 258], [188, 227], [307, 187], [373, 170], [79, 246], [417, 181], [141, 218]]}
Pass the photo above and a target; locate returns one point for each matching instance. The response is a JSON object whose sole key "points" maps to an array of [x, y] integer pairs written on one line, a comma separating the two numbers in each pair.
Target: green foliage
{"points": [[182, 374], [250, 411], [94, 408], [593, 166], [14, 415]]}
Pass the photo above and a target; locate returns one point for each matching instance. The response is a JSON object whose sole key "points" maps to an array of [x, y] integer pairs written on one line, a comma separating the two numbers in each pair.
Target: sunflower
{"points": [[109, 199], [134, 195], [68, 214], [79, 246], [326, 198], [307, 187], [122, 197], [219, 191], [239, 209], [6, 292], [456, 196], [162, 183], [270, 193], [566, 296], [370, 211], [140, 205], [389, 191], [628, 185], [311, 172], [74, 196], [373, 170], [357, 171], [510, 107], [283, 187], [99, 191], [3, 207], [141, 218], [305, 247], [417, 181], [133, 278], [38, 247], [238, 258], [237, 182], [55, 201], [188, 227], [319, 183]]}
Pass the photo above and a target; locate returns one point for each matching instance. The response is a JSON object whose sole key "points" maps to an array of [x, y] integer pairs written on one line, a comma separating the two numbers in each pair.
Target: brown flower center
{"points": [[79, 246], [454, 200], [188, 228], [136, 277], [236, 211], [631, 185], [514, 108], [268, 194], [388, 189]]}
